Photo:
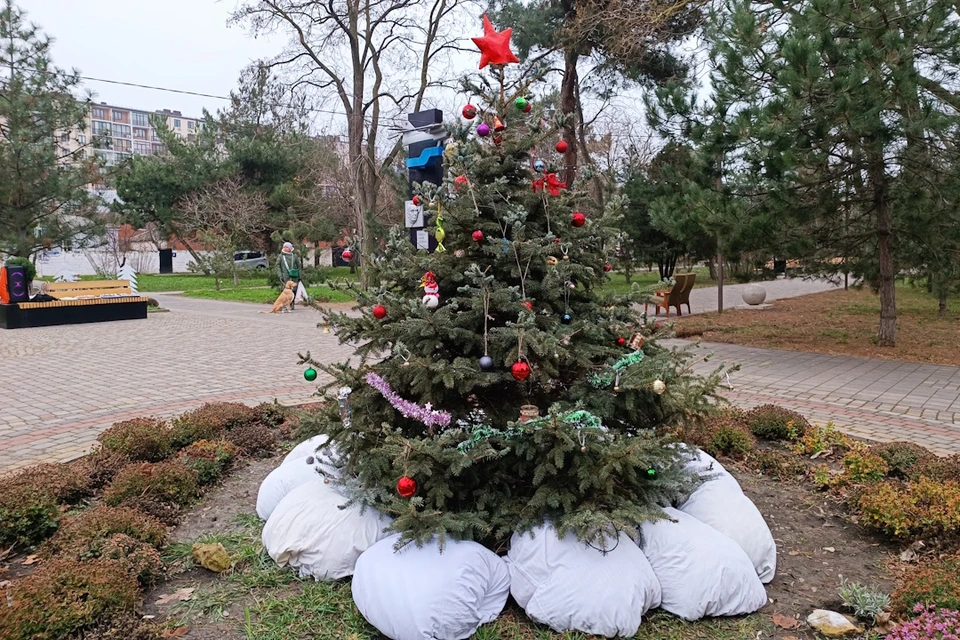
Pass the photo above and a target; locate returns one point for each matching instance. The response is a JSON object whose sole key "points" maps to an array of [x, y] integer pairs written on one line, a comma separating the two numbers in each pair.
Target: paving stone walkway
{"points": [[881, 400], [64, 385]]}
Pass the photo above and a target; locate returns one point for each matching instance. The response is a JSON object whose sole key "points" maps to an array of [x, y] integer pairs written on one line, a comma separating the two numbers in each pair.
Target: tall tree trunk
{"points": [[942, 299], [568, 105], [883, 208]]}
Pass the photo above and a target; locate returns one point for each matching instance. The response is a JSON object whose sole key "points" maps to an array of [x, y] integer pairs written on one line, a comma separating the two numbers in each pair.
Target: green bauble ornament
{"points": [[651, 473], [310, 374], [522, 103]]}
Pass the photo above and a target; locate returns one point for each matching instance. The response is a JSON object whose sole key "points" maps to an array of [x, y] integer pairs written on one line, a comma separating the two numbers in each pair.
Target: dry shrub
{"points": [[209, 421], [779, 465], [168, 481], [935, 584], [771, 422], [256, 441], [64, 596], [140, 439], [125, 627], [818, 439], [62, 482], [862, 466], [722, 434], [141, 559], [939, 469], [902, 458], [166, 512], [271, 414], [100, 467], [912, 509], [99, 524], [209, 460]]}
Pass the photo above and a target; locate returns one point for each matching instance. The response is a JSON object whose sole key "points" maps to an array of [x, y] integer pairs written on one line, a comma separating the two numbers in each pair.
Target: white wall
{"points": [[50, 263]]}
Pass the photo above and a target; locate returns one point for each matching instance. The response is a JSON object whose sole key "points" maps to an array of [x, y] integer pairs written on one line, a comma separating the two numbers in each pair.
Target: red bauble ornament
{"points": [[528, 305], [469, 112], [460, 181], [621, 341], [379, 312], [578, 219], [347, 255], [406, 486], [478, 236], [520, 370], [494, 47], [562, 146], [416, 201], [607, 267], [527, 108]]}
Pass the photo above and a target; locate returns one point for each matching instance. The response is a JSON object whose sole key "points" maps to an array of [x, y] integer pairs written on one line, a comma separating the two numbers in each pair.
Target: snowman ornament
{"points": [[431, 291]]}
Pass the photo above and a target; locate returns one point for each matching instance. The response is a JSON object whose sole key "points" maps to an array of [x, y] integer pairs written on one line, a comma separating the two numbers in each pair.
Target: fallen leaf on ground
{"points": [[785, 622], [178, 632], [830, 549], [793, 553], [180, 595], [31, 559]]}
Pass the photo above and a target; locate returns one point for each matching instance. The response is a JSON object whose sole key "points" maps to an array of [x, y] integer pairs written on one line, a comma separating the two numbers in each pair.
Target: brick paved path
{"points": [[876, 399], [63, 385]]}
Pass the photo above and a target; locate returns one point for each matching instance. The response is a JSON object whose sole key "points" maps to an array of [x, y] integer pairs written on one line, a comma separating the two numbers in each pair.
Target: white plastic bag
{"points": [[282, 481], [421, 593], [570, 586], [701, 571], [723, 506], [301, 295], [309, 531]]}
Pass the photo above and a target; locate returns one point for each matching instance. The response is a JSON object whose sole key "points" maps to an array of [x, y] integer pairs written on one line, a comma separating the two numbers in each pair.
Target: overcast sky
{"points": [[176, 44]]}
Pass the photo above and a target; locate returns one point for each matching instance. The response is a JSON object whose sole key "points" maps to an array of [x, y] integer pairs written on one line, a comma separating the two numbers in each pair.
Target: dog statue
{"points": [[284, 300]]}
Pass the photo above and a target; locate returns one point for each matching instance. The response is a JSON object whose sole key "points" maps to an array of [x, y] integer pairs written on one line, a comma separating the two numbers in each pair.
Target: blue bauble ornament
{"points": [[566, 318], [486, 363], [540, 166]]}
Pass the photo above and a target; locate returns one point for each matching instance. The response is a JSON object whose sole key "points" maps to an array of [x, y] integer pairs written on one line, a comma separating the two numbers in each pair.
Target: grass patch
{"points": [[617, 283], [266, 296], [156, 283]]}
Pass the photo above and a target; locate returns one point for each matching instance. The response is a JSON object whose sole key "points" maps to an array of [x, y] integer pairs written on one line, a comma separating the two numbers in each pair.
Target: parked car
{"points": [[250, 260]]}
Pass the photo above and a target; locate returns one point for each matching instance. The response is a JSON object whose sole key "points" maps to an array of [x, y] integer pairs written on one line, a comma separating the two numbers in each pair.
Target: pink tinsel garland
{"points": [[408, 409]]}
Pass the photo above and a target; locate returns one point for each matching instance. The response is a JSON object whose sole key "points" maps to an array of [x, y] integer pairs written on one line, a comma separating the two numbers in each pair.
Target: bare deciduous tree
{"points": [[371, 56]]}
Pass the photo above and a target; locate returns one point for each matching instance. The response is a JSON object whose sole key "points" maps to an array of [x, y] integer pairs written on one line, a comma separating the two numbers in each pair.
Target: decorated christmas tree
{"points": [[497, 385]]}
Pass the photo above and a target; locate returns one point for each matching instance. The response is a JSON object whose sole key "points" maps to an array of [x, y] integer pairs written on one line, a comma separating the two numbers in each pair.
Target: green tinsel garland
{"points": [[482, 432], [599, 381]]}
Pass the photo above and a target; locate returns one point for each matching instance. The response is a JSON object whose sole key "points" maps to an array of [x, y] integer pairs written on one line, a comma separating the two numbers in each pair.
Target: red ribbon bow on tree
{"points": [[551, 183]]}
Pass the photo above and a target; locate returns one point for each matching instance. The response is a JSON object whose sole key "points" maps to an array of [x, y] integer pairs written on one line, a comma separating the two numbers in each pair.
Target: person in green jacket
{"points": [[289, 267]]}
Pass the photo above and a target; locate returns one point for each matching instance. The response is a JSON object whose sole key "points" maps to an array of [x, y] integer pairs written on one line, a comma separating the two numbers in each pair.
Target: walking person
{"points": [[288, 267]]}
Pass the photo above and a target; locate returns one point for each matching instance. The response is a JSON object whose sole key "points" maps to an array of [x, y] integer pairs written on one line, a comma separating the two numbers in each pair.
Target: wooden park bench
{"points": [[77, 303], [675, 296]]}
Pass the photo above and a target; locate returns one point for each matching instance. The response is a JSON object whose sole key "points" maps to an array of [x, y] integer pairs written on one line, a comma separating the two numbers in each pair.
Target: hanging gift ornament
{"points": [[469, 112], [578, 219], [637, 340], [431, 296], [494, 47], [406, 487], [520, 370], [310, 374], [478, 236], [379, 312], [483, 129], [562, 147], [522, 103]]}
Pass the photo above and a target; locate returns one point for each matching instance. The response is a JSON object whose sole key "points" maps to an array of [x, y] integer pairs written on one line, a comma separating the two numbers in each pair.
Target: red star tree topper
{"points": [[494, 47]]}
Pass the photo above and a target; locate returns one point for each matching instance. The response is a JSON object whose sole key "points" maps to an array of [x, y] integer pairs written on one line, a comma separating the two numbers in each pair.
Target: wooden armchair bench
{"points": [[675, 296]]}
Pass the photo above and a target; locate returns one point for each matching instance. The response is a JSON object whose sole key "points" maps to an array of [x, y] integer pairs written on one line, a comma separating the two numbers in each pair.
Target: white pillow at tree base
{"points": [[701, 571], [725, 507], [309, 448], [282, 481], [571, 586], [310, 532], [421, 593]]}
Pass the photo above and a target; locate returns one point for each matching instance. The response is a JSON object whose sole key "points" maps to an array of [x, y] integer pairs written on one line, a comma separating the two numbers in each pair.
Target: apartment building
{"points": [[121, 132]]}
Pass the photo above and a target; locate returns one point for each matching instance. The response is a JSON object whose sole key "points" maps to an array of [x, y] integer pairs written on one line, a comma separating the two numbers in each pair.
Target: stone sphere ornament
{"points": [[562, 146], [659, 387], [522, 103], [486, 363], [406, 487], [483, 130], [347, 255], [520, 370], [379, 312], [310, 374], [477, 236], [566, 318], [578, 219], [754, 294], [469, 112]]}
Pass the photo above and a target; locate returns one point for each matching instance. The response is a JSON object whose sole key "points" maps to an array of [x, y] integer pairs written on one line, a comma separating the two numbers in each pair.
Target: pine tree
{"points": [[521, 284]]}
